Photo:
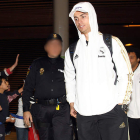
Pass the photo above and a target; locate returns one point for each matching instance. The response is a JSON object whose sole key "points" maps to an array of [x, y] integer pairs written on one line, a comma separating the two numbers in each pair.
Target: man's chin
{"points": [[82, 31], [55, 56]]}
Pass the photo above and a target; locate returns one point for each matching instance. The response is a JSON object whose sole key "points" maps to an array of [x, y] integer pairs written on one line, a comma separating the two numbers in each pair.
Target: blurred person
{"points": [[3, 111], [51, 109], [98, 79], [134, 106], [5, 108], [11, 97], [21, 127]]}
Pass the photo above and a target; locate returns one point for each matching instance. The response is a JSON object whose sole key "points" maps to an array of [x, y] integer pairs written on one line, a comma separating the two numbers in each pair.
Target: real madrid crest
{"points": [[41, 71], [54, 35]]}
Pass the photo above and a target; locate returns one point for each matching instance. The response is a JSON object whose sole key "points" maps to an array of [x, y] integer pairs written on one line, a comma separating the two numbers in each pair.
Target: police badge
{"points": [[41, 71], [54, 35]]}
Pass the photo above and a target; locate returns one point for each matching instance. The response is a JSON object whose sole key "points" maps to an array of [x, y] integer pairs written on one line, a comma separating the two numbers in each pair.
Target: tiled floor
{"points": [[12, 136]]}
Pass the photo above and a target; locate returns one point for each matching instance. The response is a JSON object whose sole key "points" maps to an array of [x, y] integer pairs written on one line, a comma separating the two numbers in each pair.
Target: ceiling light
{"points": [[129, 44], [131, 25]]}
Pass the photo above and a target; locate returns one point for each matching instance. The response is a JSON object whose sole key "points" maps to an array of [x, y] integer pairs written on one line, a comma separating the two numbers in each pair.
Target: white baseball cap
{"points": [[76, 8]]}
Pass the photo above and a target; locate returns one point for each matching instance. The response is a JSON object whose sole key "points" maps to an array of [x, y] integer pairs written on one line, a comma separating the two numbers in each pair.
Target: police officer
{"points": [[50, 110]]}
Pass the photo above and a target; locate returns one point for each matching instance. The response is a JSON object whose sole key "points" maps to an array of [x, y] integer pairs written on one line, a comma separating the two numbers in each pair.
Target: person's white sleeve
{"points": [[69, 73], [124, 71]]}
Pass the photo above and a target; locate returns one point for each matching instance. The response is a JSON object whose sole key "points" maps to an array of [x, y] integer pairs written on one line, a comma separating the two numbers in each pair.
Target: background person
{"points": [[134, 106]]}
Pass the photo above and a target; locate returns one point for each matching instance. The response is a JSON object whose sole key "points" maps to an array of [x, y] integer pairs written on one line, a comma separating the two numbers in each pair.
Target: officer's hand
{"points": [[72, 110], [27, 118], [0, 108]]}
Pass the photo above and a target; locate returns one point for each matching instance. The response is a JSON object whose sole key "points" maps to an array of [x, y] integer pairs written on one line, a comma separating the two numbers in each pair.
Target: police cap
{"points": [[54, 36]]}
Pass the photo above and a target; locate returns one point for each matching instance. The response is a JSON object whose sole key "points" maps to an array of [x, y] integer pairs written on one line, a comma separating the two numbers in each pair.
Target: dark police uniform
{"points": [[51, 109]]}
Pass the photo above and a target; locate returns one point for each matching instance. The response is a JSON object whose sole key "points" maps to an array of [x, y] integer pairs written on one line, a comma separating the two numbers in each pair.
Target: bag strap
{"points": [[108, 41]]}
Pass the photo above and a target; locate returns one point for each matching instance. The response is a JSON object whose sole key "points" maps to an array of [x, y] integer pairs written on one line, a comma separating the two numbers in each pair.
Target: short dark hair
{"points": [[1, 79], [133, 49]]}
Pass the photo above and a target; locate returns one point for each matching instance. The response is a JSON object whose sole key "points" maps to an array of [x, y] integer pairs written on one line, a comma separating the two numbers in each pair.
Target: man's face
{"points": [[4, 85], [133, 59], [82, 22], [53, 48]]}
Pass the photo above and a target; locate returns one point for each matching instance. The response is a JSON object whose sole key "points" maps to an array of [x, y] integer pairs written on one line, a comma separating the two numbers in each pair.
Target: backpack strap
{"points": [[108, 41], [72, 49]]}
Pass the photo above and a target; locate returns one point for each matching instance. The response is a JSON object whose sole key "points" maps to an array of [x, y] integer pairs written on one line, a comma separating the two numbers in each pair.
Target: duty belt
{"points": [[60, 100]]}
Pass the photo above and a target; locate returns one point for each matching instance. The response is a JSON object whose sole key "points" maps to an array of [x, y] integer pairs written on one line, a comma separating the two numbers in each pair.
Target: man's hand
{"points": [[72, 110], [12, 119], [0, 108], [15, 64], [8, 120], [120, 104], [27, 118]]}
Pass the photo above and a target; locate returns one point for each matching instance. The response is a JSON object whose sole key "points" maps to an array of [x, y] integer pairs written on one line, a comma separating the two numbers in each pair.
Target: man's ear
{"points": [[138, 59]]}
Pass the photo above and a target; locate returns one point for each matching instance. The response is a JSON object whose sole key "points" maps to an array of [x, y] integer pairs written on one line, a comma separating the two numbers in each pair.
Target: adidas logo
{"points": [[122, 125], [76, 56]]}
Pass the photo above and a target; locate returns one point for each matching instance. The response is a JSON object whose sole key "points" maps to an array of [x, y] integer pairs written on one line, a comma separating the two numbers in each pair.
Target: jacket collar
{"points": [[53, 60]]}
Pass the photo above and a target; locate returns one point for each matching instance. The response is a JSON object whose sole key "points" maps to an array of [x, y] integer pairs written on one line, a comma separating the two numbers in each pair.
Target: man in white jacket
{"points": [[94, 99], [134, 106]]}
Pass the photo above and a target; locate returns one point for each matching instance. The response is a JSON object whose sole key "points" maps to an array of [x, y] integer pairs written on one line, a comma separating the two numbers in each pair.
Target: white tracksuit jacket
{"points": [[93, 91], [134, 106]]}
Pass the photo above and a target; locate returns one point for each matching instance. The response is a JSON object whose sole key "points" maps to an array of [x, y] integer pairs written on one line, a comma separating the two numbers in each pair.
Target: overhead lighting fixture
{"points": [[131, 25], [129, 44]]}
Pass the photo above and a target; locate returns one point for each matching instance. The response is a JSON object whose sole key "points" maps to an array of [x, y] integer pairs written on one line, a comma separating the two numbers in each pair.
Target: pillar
{"points": [[61, 21]]}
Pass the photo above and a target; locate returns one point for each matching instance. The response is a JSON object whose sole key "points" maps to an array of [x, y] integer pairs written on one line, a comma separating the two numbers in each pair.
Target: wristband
{"points": [[8, 71]]}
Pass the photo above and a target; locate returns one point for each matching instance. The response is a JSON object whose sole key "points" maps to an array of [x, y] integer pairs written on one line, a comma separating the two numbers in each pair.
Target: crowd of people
{"points": [[92, 94]]}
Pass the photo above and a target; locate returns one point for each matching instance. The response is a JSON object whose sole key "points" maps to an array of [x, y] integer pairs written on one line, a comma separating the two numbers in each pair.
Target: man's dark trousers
{"points": [[134, 128], [109, 126], [53, 124]]}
